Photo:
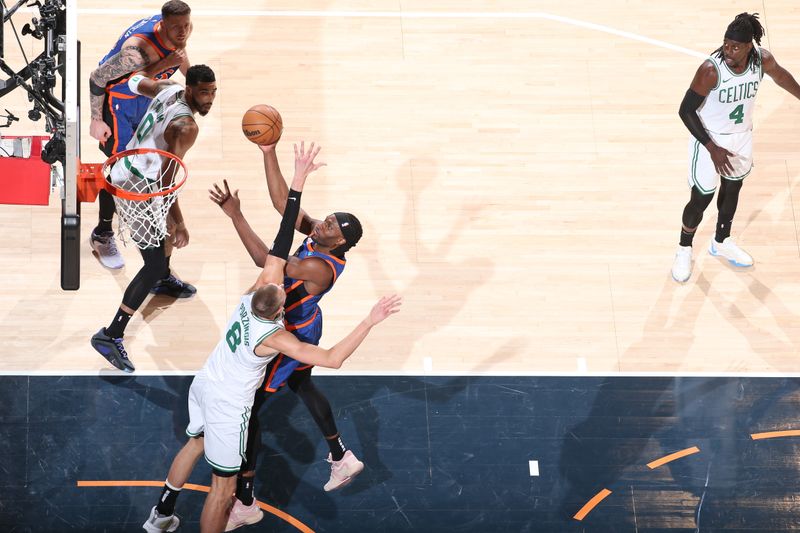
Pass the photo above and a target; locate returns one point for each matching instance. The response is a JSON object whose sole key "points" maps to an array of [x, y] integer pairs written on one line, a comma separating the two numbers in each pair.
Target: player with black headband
{"points": [[310, 273], [221, 394], [718, 111]]}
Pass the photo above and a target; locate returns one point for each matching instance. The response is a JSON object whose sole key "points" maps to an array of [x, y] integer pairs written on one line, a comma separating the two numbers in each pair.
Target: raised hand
{"points": [[304, 164], [228, 202], [388, 305]]}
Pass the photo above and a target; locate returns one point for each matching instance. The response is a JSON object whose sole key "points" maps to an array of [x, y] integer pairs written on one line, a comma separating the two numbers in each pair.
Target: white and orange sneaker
{"points": [[243, 515], [343, 471]]}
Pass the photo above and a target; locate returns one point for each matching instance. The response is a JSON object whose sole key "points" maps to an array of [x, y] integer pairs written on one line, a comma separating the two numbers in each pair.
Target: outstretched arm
{"points": [[303, 166], [139, 83], [782, 77], [231, 206], [278, 191], [285, 342]]}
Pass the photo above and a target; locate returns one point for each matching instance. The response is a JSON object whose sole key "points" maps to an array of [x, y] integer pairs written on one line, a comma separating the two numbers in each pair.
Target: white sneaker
{"points": [[682, 266], [730, 251], [105, 247], [157, 524]]}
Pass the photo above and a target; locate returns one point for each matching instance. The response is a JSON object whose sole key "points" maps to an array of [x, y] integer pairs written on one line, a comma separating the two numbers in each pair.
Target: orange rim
{"points": [[140, 196]]}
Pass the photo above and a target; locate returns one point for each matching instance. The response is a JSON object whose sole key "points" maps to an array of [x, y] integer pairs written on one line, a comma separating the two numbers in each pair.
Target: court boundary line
{"points": [[396, 373], [476, 15]]}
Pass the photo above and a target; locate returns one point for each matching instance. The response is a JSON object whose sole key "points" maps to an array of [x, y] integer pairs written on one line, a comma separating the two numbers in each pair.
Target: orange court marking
{"points": [[775, 434], [591, 504], [200, 488], [673, 456]]}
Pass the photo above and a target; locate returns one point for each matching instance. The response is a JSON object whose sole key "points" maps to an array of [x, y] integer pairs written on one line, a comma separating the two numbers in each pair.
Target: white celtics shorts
{"points": [[701, 169], [223, 421]]}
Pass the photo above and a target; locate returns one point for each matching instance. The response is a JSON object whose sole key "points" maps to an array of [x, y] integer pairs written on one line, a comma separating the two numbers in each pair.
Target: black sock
{"points": [[166, 274], [686, 237], [244, 489], [337, 447], [103, 225], [166, 503], [723, 231], [118, 325]]}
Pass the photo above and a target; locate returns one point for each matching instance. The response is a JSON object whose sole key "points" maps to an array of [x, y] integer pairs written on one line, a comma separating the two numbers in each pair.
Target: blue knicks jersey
{"points": [[144, 29], [301, 308]]}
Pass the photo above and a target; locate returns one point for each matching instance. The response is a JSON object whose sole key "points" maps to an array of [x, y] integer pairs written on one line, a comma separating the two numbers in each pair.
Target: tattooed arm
{"points": [[131, 58]]}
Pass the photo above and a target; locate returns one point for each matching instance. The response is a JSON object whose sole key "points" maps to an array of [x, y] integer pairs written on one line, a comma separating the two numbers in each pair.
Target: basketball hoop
{"points": [[145, 183]]}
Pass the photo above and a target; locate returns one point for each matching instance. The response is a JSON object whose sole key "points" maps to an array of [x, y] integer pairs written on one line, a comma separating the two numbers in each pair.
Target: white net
{"points": [[154, 181]]}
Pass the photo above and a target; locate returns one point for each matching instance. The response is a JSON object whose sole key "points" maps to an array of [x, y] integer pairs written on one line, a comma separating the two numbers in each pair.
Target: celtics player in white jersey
{"points": [[169, 125], [718, 111], [222, 393]]}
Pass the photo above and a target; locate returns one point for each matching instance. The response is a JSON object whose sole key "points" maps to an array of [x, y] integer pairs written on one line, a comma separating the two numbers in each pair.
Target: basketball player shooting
{"points": [[221, 394], [168, 125]]}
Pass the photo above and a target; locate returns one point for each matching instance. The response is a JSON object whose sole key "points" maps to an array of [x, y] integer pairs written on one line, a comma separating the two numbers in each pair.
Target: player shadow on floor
{"points": [[462, 276], [760, 340], [624, 415], [172, 398], [289, 430], [633, 422]]}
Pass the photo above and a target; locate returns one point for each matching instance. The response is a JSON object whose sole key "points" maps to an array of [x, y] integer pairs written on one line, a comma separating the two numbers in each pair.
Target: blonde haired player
{"points": [[168, 125], [221, 395], [718, 111]]}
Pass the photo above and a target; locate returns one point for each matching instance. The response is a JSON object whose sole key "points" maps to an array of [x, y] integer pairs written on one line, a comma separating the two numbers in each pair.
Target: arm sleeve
{"points": [[283, 241], [688, 113]]}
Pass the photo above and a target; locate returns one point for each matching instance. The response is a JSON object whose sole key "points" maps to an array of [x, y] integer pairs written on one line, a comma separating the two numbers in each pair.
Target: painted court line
{"points": [[673, 456], [200, 488], [775, 434], [477, 15], [591, 504], [441, 373]]}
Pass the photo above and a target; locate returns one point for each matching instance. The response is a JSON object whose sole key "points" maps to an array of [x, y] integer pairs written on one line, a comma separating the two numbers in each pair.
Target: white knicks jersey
{"points": [[728, 108], [233, 369]]}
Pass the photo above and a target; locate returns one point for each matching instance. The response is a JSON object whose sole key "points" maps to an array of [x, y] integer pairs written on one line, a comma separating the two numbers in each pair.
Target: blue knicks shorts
{"points": [[122, 112], [280, 368]]}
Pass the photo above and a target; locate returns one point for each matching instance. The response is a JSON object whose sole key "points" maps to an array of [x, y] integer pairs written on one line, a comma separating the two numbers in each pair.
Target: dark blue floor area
{"points": [[442, 454]]}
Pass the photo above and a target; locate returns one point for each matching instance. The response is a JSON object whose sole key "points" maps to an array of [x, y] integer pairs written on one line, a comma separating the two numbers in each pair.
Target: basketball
{"points": [[262, 124]]}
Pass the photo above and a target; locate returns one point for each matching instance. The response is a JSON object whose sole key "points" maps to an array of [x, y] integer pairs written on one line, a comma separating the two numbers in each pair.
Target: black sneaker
{"points": [[172, 286], [113, 350]]}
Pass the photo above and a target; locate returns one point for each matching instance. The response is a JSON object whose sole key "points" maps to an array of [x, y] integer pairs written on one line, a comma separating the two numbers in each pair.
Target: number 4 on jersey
{"points": [[737, 115]]}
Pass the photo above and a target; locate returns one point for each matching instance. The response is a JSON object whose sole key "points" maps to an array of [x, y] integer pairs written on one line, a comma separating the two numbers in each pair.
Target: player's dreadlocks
{"points": [[744, 29]]}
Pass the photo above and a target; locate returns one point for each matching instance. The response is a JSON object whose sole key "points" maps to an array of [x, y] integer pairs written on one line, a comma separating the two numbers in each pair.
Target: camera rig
{"points": [[38, 76]]}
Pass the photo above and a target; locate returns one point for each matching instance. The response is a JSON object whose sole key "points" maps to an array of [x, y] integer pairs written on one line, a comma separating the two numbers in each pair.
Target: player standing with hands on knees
{"points": [[221, 395], [156, 48], [718, 111]]}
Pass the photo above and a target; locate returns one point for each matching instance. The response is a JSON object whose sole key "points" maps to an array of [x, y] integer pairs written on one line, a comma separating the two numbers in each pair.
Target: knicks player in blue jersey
{"points": [[156, 47], [310, 273]]}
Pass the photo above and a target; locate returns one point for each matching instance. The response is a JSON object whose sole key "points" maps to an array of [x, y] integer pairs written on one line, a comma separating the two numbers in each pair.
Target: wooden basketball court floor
{"points": [[520, 170]]}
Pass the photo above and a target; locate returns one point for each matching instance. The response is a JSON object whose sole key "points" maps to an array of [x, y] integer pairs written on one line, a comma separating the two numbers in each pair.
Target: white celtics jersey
{"points": [[139, 170], [233, 367], [728, 108], [163, 109]]}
